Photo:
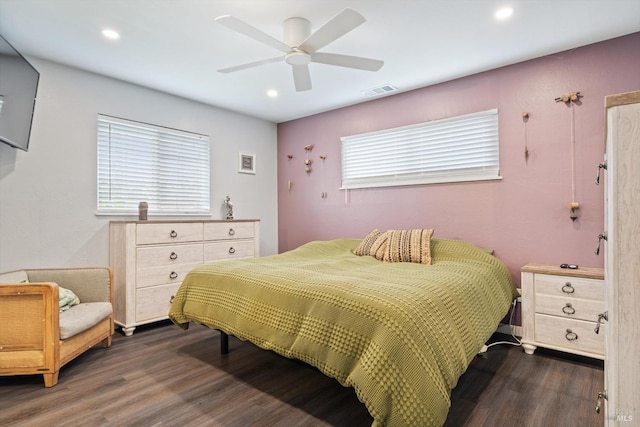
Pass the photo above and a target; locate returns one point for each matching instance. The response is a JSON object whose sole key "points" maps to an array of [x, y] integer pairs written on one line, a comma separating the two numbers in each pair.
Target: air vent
{"points": [[380, 90]]}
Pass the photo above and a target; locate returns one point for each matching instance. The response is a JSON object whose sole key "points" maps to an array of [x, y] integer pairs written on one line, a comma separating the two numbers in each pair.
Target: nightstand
{"points": [[560, 309]]}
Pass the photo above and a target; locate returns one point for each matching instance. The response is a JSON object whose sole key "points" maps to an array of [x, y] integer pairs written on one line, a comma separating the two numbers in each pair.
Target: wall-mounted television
{"points": [[18, 89]]}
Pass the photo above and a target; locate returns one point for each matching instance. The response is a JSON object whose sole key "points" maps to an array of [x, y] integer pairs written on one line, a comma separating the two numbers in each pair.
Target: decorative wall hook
{"points": [[289, 156], [307, 162], [322, 156], [573, 207], [525, 119], [569, 97]]}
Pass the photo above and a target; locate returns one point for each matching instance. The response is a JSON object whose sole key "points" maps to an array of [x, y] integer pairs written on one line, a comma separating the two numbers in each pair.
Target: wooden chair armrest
{"points": [[29, 315]]}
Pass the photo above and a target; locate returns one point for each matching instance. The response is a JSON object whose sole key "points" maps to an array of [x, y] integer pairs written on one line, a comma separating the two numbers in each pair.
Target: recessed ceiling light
{"points": [[272, 93], [504, 13], [110, 34]]}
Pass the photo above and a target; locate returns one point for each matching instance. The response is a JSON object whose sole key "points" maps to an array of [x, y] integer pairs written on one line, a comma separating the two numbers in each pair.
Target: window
{"points": [[462, 148], [138, 162]]}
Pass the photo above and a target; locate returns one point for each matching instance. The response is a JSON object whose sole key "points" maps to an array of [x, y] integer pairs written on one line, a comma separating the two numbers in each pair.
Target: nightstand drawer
{"points": [[575, 287], [569, 335], [572, 308]]}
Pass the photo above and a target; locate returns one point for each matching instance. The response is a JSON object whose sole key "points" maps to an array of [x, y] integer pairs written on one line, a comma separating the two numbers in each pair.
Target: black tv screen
{"points": [[18, 88]]}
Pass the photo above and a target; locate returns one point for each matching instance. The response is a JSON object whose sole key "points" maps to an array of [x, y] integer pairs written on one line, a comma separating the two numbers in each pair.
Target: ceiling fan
{"points": [[300, 47]]}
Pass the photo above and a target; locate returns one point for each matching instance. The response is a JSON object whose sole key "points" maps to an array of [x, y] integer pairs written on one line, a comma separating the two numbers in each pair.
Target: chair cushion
{"points": [[81, 317]]}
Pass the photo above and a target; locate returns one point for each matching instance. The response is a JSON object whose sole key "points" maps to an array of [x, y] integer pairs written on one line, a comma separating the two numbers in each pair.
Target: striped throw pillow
{"points": [[409, 246], [364, 248], [379, 246]]}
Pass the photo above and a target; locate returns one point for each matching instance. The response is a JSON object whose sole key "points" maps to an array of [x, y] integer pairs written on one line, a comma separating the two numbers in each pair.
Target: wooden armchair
{"points": [[35, 337]]}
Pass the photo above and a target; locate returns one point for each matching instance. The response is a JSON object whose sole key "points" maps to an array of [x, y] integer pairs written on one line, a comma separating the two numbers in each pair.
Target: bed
{"points": [[400, 333]]}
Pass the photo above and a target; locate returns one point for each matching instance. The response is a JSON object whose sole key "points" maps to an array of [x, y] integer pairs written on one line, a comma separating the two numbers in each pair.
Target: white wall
{"points": [[48, 195]]}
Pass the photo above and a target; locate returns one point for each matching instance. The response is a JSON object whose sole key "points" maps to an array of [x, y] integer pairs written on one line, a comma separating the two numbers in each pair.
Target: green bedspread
{"points": [[400, 334]]}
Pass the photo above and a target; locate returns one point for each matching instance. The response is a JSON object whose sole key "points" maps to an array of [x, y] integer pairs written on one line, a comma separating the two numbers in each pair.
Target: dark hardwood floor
{"points": [[163, 376]]}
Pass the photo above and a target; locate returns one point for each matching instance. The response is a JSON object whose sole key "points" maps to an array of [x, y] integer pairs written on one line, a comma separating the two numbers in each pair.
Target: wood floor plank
{"points": [[164, 376]]}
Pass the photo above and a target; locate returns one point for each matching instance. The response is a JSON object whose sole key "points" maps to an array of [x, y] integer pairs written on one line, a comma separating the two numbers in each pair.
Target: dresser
{"points": [[621, 396], [561, 309], [151, 258]]}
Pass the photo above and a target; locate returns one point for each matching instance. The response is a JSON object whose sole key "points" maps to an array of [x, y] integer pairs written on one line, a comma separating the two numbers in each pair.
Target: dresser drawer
{"points": [[226, 231], [572, 308], [154, 256], [218, 251], [157, 301], [168, 233], [575, 287], [569, 334], [152, 276]]}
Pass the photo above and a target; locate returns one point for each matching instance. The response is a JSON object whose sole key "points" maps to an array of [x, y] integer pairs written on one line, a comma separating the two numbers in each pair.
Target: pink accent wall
{"points": [[523, 217]]}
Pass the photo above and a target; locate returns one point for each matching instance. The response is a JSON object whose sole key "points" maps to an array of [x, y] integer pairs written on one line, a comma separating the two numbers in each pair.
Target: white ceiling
{"points": [[176, 47]]}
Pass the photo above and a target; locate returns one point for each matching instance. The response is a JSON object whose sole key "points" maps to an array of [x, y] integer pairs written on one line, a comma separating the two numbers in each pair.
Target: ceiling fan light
{"points": [[296, 30], [297, 57]]}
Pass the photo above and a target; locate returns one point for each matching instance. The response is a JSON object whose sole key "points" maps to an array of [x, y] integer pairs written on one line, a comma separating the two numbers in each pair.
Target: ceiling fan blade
{"points": [[251, 64], [338, 26], [348, 61], [301, 77], [252, 32]]}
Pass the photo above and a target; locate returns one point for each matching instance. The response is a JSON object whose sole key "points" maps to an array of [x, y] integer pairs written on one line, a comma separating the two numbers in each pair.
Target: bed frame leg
{"points": [[224, 343]]}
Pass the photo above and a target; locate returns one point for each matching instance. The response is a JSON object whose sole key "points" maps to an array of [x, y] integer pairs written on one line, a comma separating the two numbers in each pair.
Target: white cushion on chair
{"points": [[81, 317], [19, 276]]}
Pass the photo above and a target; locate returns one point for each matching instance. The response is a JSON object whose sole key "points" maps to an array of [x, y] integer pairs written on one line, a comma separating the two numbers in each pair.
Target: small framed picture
{"points": [[246, 163]]}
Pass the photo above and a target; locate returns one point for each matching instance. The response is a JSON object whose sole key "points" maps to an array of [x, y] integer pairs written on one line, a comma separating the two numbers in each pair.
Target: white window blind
{"points": [[462, 148], [138, 162]]}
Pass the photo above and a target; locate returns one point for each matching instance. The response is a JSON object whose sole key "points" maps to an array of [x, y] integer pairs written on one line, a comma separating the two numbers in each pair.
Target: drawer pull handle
{"points": [[171, 299], [173, 233], [601, 318], [600, 237], [173, 256], [232, 250], [568, 288], [173, 275], [232, 232], [601, 395], [568, 309], [570, 335]]}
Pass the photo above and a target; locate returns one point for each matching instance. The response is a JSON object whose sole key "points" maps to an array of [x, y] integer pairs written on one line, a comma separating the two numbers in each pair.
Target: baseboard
{"points": [[503, 328]]}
